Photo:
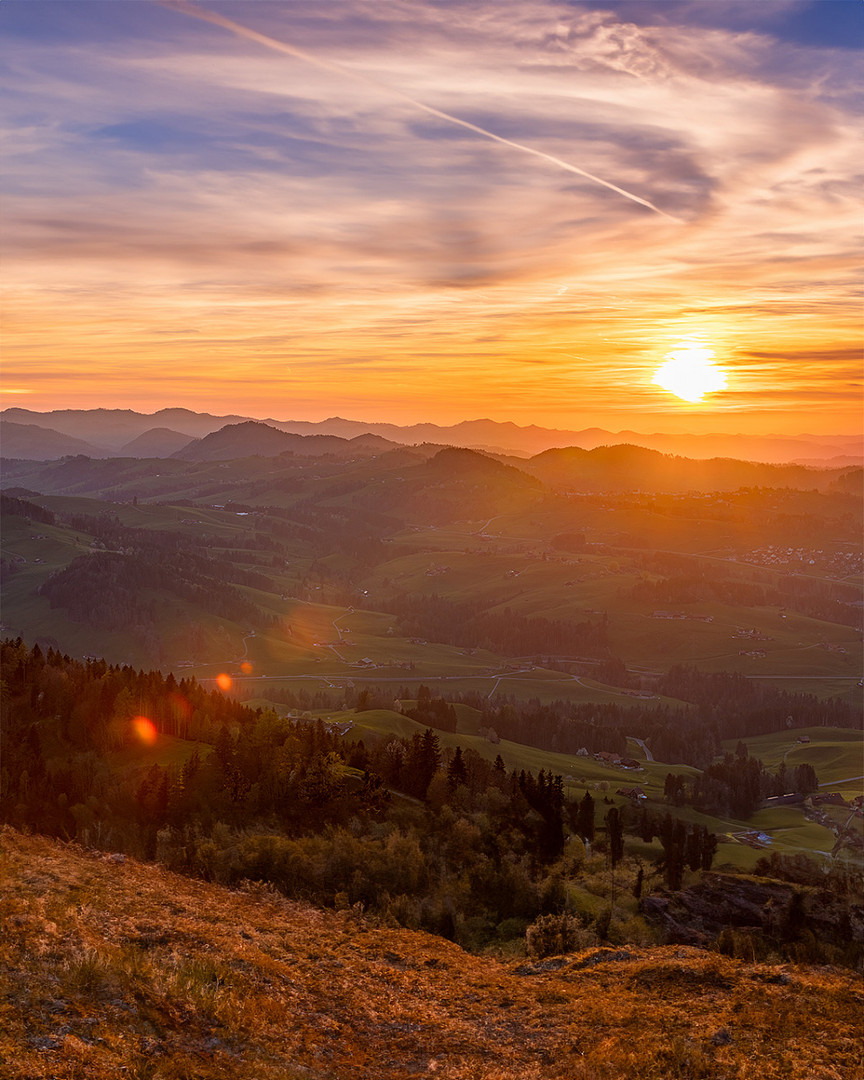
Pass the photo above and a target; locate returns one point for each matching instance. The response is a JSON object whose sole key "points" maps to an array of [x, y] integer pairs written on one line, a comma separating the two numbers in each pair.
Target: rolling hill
{"points": [[628, 468], [155, 443], [34, 443], [253, 438]]}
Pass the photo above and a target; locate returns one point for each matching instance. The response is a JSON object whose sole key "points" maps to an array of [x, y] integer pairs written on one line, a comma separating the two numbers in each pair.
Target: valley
{"points": [[685, 660]]}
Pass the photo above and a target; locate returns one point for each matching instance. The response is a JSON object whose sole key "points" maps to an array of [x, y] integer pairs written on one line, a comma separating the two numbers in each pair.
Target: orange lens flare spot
{"points": [[145, 730], [246, 667], [224, 682]]}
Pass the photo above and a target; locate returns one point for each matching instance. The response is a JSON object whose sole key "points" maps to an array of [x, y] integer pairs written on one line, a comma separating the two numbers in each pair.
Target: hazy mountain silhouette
{"points": [[157, 442], [628, 468], [29, 442], [115, 428], [251, 437]]}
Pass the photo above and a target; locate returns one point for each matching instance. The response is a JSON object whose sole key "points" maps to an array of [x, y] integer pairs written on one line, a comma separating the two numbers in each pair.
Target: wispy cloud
{"points": [[310, 223]]}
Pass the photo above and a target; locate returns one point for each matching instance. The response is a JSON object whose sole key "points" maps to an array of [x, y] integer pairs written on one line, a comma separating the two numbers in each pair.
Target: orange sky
{"points": [[201, 219]]}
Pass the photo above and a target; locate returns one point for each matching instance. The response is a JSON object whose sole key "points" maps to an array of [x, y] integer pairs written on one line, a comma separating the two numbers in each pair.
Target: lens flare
{"points": [[145, 730], [224, 682], [246, 667]]}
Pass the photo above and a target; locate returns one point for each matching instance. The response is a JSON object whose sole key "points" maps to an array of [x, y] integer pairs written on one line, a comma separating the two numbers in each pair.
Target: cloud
{"points": [[166, 173], [281, 46]]}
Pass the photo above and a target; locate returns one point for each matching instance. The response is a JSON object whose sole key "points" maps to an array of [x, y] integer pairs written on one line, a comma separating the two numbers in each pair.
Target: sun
{"points": [[690, 373]]}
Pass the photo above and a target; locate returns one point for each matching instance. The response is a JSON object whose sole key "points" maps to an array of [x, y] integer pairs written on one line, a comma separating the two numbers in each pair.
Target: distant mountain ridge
{"points": [[117, 429], [447, 474], [623, 467], [35, 443], [156, 442], [252, 437]]}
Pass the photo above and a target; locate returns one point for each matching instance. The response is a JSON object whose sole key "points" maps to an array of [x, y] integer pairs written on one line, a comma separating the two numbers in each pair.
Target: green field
{"points": [[503, 562], [532, 580], [167, 752], [837, 755], [788, 831]]}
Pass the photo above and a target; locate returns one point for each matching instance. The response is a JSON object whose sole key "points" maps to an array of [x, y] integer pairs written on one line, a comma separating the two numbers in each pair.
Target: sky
{"points": [[435, 211]]}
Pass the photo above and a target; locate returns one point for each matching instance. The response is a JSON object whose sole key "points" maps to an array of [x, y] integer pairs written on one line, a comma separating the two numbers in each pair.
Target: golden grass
{"points": [[112, 969]]}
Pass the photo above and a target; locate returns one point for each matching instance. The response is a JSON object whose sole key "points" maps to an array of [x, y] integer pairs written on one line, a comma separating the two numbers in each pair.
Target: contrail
{"points": [[328, 65]]}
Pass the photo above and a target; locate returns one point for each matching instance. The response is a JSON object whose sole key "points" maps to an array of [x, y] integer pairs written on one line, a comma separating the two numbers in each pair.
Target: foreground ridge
{"points": [[114, 967]]}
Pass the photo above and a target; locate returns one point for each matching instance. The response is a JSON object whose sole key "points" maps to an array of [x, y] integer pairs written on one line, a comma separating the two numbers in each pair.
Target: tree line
{"points": [[470, 625]]}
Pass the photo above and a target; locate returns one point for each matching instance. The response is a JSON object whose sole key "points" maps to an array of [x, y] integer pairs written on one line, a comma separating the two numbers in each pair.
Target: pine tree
{"points": [[585, 818], [456, 772], [615, 834]]}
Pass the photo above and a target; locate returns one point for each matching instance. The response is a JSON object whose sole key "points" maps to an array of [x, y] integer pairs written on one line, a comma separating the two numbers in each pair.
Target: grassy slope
{"points": [[31, 615], [788, 829], [514, 566], [167, 751], [507, 570], [126, 969], [835, 753]]}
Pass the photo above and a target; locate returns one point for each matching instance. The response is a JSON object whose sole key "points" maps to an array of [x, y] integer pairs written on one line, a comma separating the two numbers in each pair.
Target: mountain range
{"points": [[124, 432]]}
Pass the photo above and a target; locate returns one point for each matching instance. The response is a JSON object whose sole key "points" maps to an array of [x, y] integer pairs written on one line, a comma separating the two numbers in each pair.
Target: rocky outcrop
{"points": [[697, 915]]}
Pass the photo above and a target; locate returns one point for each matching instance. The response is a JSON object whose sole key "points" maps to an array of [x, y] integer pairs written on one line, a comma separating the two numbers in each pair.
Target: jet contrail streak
{"points": [[328, 65]]}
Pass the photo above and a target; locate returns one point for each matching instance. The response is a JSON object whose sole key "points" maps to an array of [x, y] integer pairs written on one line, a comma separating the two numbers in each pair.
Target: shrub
{"points": [[551, 935]]}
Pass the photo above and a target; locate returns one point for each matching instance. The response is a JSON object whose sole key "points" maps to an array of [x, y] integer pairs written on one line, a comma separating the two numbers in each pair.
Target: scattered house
{"points": [[630, 763], [753, 838], [792, 798], [635, 793], [804, 738], [831, 798], [607, 758]]}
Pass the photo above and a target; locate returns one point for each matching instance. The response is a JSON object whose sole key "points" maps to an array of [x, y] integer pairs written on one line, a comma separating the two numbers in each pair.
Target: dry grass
{"points": [[114, 970]]}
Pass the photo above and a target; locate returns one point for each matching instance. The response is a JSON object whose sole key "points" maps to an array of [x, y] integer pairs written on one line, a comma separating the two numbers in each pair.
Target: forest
{"points": [[411, 833]]}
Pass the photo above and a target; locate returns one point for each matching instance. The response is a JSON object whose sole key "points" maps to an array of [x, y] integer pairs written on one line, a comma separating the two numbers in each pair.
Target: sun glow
{"points": [[690, 373]]}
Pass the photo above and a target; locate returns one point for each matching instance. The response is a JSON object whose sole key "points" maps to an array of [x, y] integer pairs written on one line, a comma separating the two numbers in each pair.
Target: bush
{"points": [[552, 935]]}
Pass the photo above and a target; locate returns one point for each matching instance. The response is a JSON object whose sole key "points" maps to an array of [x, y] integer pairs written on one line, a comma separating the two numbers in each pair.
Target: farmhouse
{"points": [[635, 793], [831, 798]]}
